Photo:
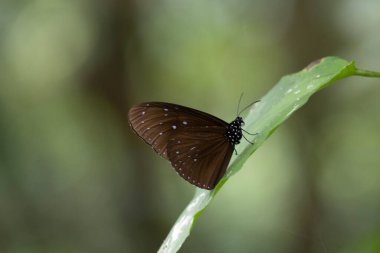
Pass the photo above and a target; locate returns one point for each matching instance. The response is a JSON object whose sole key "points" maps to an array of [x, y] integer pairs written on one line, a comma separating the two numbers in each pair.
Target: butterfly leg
{"points": [[249, 132], [248, 140], [236, 153]]}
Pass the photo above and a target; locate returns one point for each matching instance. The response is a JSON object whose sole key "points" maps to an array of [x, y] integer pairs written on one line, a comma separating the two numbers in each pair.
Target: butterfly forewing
{"points": [[155, 121], [193, 141]]}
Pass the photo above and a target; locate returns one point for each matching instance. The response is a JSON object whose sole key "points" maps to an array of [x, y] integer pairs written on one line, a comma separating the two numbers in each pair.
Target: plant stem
{"points": [[367, 73]]}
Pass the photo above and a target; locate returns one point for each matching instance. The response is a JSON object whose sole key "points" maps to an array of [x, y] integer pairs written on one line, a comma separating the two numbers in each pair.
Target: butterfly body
{"points": [[198, 145], [234, 132]]}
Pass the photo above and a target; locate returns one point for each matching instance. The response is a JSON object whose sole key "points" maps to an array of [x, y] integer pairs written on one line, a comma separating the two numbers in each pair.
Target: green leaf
{"points": [[288, 95]]}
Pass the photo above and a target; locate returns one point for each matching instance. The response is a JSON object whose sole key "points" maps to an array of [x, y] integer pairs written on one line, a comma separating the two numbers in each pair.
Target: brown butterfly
{"points": [[198, 145]]}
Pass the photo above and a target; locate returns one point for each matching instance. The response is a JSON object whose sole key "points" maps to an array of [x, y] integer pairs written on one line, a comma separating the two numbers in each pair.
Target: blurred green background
{"points": [[74, 178]]}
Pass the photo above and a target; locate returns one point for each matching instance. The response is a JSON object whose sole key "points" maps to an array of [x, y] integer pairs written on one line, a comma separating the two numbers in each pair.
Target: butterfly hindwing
{"points": [[200, 156]]}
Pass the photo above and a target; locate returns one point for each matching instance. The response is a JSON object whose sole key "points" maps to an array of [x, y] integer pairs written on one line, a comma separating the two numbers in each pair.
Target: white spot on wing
{"points": [[166, 109], [143, 113], [184, 122], [174, 126]]}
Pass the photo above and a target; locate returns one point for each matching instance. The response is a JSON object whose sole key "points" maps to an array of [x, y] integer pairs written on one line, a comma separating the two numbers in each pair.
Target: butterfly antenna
{"points": [[241, 96], [245, 108]]}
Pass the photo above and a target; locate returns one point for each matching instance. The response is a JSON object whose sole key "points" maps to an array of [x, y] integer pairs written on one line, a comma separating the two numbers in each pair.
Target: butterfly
{"points": [[198, 145]]}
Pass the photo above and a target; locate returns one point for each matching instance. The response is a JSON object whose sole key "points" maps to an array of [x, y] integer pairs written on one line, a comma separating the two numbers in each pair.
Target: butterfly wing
{"points": [[154, 122], [193, 141], [200, 156]]}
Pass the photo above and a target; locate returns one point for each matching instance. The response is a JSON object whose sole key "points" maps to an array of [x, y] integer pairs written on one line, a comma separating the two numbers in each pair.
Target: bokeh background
{"points": [[74, 178]]}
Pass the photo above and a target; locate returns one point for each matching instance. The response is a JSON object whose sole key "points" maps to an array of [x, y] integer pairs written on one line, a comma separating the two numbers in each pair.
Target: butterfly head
{"points": [[234, 131], [239, 121]]}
